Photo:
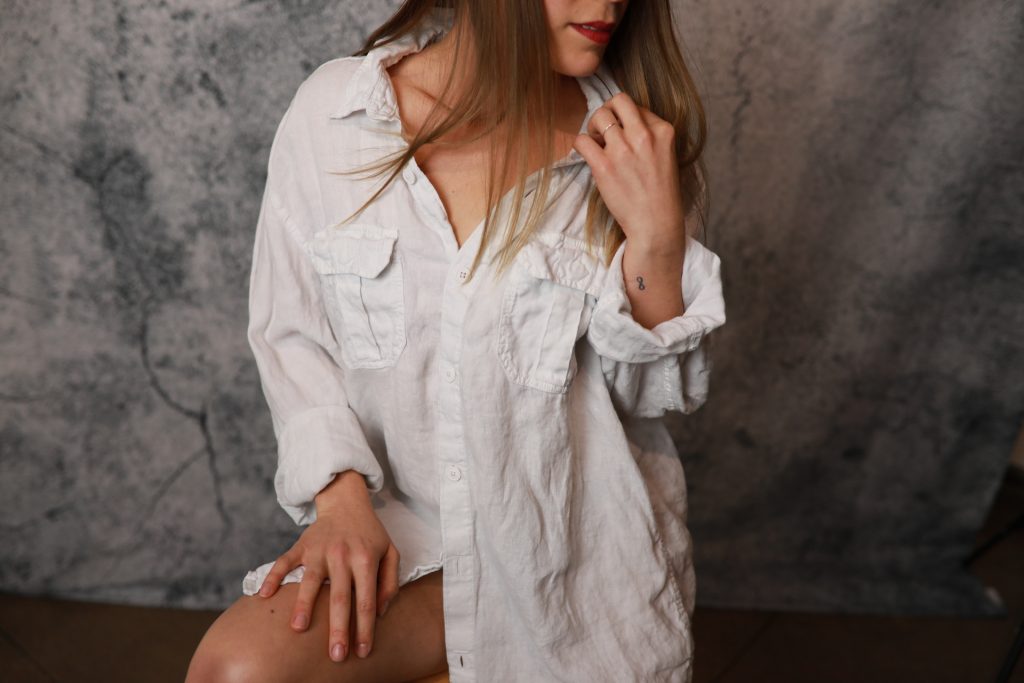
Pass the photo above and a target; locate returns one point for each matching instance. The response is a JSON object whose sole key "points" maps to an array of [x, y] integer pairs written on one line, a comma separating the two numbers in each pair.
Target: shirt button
{"points": [[410, 176], [463, 274], [454, 473], [450, 374]]}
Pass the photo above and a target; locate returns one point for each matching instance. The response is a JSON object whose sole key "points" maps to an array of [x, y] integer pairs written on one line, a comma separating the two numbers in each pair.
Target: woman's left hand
{"points": [[634, 165]]}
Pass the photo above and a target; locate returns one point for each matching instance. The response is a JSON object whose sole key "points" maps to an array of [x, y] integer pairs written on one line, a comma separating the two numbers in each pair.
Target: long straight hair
{"points": [[515, 86]]}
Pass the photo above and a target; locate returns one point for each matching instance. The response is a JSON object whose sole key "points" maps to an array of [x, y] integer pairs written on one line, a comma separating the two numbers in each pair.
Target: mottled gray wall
{"points": [[867, 201], [868, 162]]}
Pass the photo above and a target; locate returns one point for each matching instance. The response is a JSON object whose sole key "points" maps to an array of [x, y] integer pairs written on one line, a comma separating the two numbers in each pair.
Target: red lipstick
{"points": [[598, 31]]}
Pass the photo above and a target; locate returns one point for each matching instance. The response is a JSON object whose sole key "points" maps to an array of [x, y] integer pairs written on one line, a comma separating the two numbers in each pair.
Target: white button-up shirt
{"points": [[506, 427]]}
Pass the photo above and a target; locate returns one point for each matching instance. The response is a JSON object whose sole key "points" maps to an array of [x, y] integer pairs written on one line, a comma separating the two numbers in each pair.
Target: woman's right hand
{"points": [[346, 543]]}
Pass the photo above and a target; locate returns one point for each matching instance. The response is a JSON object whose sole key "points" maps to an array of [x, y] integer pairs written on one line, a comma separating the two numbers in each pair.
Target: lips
{"points": [[597, 31], [599, 25]]}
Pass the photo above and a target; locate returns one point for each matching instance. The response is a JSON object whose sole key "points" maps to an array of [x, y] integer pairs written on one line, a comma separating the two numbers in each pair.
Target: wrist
{"points": [[665, 256], [347, 486], [661, 245]]}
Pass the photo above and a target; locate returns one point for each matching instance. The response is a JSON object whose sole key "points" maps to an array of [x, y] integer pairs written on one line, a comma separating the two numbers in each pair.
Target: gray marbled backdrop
{"points": [[867, 191]]}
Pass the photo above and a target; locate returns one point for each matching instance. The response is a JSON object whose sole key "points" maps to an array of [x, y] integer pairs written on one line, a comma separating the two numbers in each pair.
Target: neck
{"points": [[439, 56]]}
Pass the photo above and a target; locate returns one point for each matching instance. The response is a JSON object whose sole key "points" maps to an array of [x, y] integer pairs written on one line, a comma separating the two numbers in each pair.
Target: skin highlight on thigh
{"points": [[252, 641]]}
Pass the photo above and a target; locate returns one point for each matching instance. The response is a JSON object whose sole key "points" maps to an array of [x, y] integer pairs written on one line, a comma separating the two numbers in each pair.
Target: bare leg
{"points": [[252, 641]]}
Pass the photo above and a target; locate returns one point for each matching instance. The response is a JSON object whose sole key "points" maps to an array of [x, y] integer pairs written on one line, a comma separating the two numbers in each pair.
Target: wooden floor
{"points": [[56, 640]]}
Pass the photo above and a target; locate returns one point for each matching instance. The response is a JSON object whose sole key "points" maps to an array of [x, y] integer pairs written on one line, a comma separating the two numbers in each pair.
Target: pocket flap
{"points": [[562, 259], [362, 249]]}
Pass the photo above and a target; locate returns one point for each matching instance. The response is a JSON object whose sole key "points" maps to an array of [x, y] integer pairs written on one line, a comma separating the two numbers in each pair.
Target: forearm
{"points": [[653, 274]]}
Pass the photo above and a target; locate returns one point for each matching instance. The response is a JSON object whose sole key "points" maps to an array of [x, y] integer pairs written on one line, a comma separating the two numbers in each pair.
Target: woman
{"points": [[463, 407]]}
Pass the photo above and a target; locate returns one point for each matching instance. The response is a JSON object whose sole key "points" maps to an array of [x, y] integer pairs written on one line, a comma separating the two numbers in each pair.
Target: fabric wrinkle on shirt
{"points": [[507, 428]]}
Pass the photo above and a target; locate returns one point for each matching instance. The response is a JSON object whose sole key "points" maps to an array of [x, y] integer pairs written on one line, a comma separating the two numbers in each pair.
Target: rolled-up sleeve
{"points": [[666, 368], [318, 434]]}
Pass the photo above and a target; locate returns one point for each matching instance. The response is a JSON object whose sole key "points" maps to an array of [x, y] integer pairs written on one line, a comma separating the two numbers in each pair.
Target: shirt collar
{"points": [[370, 88]]}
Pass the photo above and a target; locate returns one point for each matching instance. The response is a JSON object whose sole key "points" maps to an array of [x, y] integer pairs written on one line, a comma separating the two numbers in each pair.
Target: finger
{"points": [[657, 125], [387, 579], [340, 607], [364, 574], [626, 111], [650, 118], [284, 564], [593, 154], [601, 121], [309, 587]]}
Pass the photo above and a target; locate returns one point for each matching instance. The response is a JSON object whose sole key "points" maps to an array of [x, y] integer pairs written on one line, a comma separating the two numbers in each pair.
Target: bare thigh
{"points": [[252, 640]]}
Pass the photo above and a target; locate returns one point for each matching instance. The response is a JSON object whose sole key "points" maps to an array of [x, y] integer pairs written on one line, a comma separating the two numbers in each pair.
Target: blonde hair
{"points": [[515, 84]]}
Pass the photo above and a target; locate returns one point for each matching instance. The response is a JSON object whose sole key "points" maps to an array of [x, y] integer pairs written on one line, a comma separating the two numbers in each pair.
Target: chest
{"points": [[459, 172]]}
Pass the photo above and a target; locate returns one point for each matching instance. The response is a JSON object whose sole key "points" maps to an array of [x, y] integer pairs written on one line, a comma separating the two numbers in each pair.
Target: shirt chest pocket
{"points": [[361, 274], [545, 309]]}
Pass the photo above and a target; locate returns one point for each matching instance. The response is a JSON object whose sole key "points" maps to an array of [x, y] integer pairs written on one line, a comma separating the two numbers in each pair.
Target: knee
{"points": [[220, 658]]}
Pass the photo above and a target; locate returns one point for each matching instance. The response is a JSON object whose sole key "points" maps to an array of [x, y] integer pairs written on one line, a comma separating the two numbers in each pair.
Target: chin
{"points": [[578, 63]]}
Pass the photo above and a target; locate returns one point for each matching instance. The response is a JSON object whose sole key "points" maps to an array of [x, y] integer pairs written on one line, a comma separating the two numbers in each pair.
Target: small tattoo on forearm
{"points": [[640, 282]]}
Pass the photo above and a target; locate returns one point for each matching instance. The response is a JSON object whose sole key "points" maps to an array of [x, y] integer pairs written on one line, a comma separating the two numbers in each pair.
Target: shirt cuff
{"points": [[614, 333], [315, 446]]}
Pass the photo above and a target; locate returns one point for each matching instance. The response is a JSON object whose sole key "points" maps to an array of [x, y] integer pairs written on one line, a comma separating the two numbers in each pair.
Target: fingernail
{"points": [[337, 652], [363, 649], [384, 607], [299, 621], [264, 590]]}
